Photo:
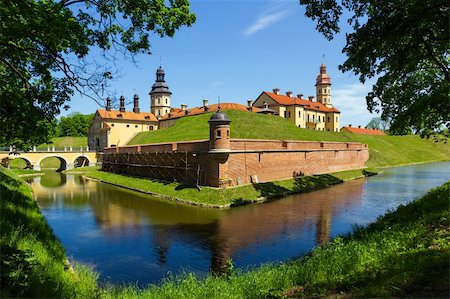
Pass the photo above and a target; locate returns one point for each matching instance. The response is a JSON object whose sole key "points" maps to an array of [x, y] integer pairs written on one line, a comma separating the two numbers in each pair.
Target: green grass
{"points": [[20, 172], [60, 142], [384, 150], [404, 253], [226, 197], [32, 260]]}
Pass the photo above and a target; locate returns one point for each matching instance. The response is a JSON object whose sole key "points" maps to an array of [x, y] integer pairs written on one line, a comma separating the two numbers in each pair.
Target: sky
{"points": [[235, 50]]}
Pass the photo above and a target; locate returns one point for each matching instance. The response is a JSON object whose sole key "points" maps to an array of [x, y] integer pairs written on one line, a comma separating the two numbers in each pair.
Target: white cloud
{"points": [[272, 13], [351, 101]]}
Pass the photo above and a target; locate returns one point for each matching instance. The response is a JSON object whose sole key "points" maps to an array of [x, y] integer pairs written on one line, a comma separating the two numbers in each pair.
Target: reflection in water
{"points": [[132, 237]]}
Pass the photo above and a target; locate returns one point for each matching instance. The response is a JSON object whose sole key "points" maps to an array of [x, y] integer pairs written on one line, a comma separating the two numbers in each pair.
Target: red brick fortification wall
{"points": [[257, 160], [269, 160]]}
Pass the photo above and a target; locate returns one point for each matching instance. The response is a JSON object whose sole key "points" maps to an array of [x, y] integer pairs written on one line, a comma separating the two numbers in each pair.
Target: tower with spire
{"points": [[323, 87], [160, 95]]}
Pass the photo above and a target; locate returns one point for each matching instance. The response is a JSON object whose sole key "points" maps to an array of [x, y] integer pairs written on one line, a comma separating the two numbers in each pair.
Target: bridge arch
{"points": [[63, 166], [81, 161], [27, 161]]}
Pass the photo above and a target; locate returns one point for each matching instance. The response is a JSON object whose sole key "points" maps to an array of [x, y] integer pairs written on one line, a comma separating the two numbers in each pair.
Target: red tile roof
{"points": [[289, 101], [116, 114], [362, 131], [211, 108]]}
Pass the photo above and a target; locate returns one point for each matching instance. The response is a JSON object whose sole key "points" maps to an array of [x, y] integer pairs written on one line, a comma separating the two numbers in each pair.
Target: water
{"points": [[129, 237]]}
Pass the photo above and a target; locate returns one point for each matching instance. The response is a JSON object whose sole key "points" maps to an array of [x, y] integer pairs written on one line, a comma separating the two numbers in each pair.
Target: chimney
{"points": [[122, 104], [349, 126], [108, 104], [289, 93], [136, 103], [300, 95], [276, 91], [205, 103], [311, 98], [183, 107], [249, 103]]}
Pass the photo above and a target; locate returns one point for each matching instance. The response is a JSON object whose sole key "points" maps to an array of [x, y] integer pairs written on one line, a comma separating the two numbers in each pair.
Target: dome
{"points": [[160, 70], [219, 116]]}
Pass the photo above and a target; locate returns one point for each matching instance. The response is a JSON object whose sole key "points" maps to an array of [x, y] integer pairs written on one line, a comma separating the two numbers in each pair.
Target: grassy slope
{"points": [[225, 197], [32, 260], [404, 253], [384, 150], [60, 142]]}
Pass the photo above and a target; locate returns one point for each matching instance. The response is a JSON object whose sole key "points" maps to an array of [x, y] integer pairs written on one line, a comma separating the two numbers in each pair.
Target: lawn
{"points": [[61, 142]]}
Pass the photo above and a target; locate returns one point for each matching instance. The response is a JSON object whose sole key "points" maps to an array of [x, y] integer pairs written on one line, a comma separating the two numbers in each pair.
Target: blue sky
{"points": [[236, 50]]}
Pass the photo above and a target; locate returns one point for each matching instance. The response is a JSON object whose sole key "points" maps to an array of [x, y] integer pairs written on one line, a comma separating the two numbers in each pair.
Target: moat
{"points": [[130, 237]]}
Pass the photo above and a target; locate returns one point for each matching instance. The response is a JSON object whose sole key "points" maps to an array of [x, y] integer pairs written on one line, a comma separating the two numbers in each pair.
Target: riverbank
{"points": [[404, 253], [33, 262], [229, 197]]}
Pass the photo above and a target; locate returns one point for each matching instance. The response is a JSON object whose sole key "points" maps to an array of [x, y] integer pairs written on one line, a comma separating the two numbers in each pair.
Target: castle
{"points": [[112, 128]]}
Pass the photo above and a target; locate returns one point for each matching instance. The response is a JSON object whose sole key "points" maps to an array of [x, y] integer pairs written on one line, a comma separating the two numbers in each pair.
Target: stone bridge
{"points": [[69, 159]]}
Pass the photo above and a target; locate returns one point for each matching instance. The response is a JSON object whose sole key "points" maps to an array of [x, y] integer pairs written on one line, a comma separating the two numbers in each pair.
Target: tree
{"points": [[405, 45], [378, 124], [75, 124], [44, 47]]}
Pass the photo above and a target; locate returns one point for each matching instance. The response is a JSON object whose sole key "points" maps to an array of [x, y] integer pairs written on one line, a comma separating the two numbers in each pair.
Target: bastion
{"points": [[224, 162]]}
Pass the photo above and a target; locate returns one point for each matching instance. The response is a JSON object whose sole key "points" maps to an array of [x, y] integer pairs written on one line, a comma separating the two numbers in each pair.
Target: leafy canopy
{"points": [[402, 43], [44, 47], [74, 125]]}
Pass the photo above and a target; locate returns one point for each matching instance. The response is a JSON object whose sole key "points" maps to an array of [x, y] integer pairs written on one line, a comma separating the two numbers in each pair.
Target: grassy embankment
{"points": [[60, 142], [221, 198], [404, 253], [32, 261], [384, 151]]}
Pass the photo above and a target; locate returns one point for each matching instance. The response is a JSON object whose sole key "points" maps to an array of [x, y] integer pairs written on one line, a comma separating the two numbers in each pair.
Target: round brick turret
{"points": [[219, 133]]}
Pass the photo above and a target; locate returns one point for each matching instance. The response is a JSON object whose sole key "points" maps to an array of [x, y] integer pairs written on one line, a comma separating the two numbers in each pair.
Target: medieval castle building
{"points": [[117, 127]]}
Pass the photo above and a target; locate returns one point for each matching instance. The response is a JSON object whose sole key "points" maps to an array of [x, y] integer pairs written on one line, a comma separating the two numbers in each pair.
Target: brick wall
{"points": [[262, 160]]}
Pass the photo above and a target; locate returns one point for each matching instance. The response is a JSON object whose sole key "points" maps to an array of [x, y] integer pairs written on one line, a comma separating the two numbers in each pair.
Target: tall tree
{"points": [[378, 124], [44, 45], [402, 43], [75, 124]]}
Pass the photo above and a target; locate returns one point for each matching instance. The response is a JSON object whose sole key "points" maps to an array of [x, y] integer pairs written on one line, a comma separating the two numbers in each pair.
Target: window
{"points": [[313, 117], [166, 101], [308, 117], [328, 119], [336, 119], [228, 133], [135, 126], [319, 118], [219, 134], [285, 114], [299, 114], [324, 90], [159, 101], [128, 126], [320, 91], [289, 114], [150, 128]]}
